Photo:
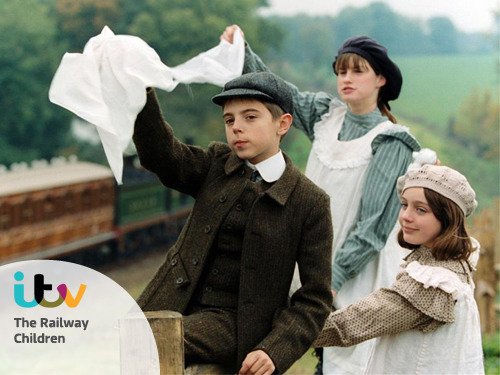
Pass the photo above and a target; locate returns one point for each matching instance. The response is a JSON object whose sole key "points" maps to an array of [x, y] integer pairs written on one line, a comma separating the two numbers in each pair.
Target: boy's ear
{"points": [[285, 122]]}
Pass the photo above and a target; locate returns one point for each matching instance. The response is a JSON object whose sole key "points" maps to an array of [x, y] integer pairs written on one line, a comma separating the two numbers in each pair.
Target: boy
{"points": [[230, 271]]}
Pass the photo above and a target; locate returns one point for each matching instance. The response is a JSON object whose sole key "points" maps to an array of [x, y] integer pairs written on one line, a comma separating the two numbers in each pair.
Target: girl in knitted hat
{"points": [[427, 321], [358, 152]]}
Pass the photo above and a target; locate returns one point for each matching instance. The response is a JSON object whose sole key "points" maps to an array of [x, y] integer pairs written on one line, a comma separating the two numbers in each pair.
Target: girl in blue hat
{"points": [[358, 152]]}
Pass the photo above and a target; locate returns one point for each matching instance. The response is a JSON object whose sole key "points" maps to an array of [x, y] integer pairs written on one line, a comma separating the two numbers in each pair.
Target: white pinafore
{"points": [[454, 348], [339, 168]]}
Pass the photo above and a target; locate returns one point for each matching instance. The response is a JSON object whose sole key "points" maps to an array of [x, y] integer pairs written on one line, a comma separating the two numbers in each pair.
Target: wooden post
{"points": [[487, 278], [168, 333], [169, 337]]}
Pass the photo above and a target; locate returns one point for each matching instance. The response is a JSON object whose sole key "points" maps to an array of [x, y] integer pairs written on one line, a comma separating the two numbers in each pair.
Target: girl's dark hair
{"points": [[453, 242], [357, 61]]}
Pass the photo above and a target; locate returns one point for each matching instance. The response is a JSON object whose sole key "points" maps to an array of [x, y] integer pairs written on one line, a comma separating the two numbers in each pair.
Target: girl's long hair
{"points": [[453, 242], [351, 59]]}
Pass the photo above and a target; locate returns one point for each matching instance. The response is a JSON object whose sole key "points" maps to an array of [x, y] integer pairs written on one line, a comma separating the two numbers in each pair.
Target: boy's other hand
{"points": [[228, 34], [257, 363]]}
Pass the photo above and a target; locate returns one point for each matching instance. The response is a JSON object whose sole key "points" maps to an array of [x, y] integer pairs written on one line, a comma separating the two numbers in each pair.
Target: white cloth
{"points": [[339, 168], [453, 348], [105, 85]]}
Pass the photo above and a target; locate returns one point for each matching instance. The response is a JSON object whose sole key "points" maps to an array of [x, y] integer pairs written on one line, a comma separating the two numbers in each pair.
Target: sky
{"points": [[466, 15]]}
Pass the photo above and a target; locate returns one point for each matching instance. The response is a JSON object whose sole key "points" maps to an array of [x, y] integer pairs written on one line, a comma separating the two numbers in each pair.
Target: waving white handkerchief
{"points": [[105, 85]]}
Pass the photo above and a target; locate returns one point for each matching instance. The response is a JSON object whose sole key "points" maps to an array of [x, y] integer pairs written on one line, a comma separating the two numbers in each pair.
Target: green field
{"points": [[434, 87]]}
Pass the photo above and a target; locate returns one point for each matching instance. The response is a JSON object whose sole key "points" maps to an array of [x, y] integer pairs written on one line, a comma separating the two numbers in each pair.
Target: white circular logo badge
{"points": [[62, 318]]}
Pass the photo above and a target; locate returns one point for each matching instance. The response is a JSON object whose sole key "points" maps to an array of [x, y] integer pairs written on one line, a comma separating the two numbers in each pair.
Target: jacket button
{"points": [[239, 207], [173, 262], [215, 271], [208, 228], [179, 280], [194, 261], [222, 198], [208, 289]]}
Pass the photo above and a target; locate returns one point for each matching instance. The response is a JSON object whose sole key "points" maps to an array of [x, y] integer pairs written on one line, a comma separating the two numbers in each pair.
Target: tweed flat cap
{"points": [[376, 55], [443, 180], [264, 86]]}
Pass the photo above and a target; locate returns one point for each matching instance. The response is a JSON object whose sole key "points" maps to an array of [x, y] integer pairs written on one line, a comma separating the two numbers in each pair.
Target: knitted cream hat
{"points": [[443, 180]]}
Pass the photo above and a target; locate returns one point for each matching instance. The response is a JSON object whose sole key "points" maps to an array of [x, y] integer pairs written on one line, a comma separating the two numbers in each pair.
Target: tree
{"points": [[476, 126], [443, 35], [30, 127], [79, 20]]}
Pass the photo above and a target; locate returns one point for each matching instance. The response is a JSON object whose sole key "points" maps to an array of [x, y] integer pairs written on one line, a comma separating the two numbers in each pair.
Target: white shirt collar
{"points": [[270, 169]]}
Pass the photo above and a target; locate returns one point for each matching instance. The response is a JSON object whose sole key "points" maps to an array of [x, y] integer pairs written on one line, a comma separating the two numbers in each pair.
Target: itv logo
{"points": [[39, 293]]}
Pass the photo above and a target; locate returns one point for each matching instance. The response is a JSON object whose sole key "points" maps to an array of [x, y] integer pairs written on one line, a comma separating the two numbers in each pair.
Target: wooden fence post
{"points": [[169, 337], [485, 229]]}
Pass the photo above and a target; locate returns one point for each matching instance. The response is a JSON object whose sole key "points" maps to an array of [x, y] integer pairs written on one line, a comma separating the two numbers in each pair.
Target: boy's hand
{"points": [[228, 34], [257, 363]]}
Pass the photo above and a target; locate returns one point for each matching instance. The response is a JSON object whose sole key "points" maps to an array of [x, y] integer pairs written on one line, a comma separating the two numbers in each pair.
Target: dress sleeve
{"points": [[309, 107], [384, 312], [432, 290], [378, 211]]}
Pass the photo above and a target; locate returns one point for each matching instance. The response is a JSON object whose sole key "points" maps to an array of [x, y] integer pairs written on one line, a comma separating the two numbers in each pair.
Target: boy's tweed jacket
{"points": [[289, 223]]}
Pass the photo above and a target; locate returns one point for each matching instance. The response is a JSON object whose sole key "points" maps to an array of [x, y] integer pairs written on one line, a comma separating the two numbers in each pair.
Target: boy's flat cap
{"points": [[264, 86]]}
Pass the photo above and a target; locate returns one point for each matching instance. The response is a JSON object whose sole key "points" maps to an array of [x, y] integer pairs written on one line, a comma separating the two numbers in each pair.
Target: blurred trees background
{"points": [[36, 33], [30, 126]]}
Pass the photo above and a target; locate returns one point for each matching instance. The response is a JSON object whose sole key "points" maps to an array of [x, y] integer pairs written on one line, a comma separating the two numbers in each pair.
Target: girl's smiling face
{"points": [[418, 223]]}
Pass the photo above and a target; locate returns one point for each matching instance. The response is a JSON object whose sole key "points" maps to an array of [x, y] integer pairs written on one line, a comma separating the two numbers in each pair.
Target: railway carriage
{"points": [[73, 210]]}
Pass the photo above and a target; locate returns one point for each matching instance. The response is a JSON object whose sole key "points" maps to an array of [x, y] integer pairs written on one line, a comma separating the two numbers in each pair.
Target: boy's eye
{"points": [[228, 121]]}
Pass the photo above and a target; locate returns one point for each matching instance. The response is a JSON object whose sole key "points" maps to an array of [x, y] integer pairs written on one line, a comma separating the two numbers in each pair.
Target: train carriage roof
{"points": [[51, 176]]}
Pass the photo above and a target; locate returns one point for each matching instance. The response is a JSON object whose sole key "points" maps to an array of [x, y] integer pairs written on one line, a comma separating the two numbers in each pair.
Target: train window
{"points": [[69, 202], [104, 195], [27, 213], [15, 215], [86, 199], [5, 216], [77, 200], [49, 208], [37, 206]]}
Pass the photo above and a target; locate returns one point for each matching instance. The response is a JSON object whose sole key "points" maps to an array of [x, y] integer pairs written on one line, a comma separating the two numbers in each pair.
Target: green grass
{"points": [[304, 365], [434, 87], [491, 349]]}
